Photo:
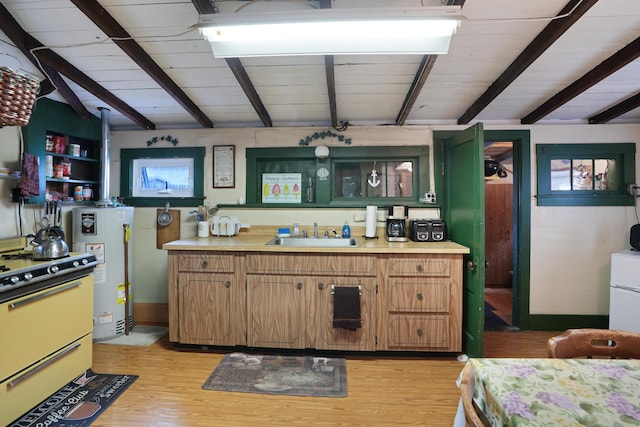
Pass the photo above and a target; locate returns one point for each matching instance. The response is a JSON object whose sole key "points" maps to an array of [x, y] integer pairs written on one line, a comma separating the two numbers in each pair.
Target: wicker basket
{"points": [[17, 96]]}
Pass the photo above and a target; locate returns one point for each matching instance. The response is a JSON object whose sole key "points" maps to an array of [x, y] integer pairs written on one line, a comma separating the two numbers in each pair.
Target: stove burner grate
{"points": [[19, 255]]}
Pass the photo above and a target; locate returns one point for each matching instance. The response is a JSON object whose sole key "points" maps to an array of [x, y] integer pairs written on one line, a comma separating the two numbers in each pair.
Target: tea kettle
{"points": [[49, 243]]}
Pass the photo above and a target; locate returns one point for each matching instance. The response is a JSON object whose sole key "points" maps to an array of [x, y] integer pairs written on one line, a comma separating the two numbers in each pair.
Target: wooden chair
{"points": [[467, 386], [598, 343]]}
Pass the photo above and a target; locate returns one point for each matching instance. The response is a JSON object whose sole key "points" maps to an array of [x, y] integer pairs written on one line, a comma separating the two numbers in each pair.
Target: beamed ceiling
{"points": [[511, 62]]}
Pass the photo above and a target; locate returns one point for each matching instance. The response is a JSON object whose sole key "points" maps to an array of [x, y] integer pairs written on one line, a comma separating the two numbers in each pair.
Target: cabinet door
{"points": [[206, 308], [277, 308], [331, 338]]}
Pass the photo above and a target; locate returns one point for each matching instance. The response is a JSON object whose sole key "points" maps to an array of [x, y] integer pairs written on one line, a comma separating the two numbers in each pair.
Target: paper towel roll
{"points": [[371, 222]]}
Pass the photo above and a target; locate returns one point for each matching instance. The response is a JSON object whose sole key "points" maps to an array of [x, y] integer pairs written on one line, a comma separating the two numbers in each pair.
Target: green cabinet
{"points": [[52, 120]]}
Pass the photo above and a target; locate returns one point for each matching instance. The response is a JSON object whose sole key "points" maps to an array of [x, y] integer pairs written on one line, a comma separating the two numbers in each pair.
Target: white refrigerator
{"points": [[101, 231], [624, 305]]}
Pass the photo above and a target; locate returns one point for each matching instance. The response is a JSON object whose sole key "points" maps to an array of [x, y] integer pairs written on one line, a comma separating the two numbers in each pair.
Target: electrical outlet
{"points": [[633, 189]]}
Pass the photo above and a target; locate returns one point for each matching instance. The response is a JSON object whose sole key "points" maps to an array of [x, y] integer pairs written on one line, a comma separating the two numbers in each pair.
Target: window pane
{"points": [[560, 175], [163, 177], [605, 177], [400, 179], [582, 174]]}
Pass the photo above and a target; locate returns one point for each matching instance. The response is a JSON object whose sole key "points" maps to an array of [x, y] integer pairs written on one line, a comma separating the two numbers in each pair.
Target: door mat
{"points": [[492, 322], [285, 375], [78, 403], [141, 336]]}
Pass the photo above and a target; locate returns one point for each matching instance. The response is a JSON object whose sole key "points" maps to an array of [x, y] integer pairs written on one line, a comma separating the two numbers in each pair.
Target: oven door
{"points": [[38, 324]]}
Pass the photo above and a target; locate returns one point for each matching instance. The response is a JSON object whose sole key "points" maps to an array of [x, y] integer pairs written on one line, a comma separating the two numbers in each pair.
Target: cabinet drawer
{"points": [[420, 266], [418, 331], [419, 295], [39, 324], [210, 263], [23, 391], [343, 265]]}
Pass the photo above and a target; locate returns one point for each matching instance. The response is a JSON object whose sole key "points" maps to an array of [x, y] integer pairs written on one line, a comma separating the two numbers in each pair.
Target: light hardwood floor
{"points": [[383, 390], [502, 300]]}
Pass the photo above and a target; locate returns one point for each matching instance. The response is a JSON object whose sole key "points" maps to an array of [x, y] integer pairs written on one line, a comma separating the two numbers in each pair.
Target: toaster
{"points": [[427, 230]]}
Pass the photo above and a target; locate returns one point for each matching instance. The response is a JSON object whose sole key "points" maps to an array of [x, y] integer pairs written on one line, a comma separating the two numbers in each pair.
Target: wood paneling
{"points": [[498, 234]]}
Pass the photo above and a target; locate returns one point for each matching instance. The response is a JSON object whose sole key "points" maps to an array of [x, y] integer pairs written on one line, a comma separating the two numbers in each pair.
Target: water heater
{"points": [[101, 231]]}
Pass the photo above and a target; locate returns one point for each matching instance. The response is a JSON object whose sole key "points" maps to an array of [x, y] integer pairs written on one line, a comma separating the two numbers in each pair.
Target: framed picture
{"points": [[224, 174]]}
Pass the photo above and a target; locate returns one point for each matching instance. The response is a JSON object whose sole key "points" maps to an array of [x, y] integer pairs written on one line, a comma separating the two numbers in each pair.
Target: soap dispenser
{"points": [[346, 230]]}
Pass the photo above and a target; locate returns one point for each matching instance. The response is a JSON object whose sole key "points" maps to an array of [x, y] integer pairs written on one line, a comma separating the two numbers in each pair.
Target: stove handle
{"points": [[39, 368], [47, 294]]}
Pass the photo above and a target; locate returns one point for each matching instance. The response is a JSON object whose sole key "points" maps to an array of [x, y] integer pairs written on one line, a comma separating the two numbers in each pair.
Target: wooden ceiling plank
{"points": [[533, 51], [624, 56], [25, 42], [99, 16]]}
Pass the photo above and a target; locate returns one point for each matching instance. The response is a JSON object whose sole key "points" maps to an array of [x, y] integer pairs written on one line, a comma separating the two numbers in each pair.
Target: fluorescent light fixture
{"points": [[419, 31]]}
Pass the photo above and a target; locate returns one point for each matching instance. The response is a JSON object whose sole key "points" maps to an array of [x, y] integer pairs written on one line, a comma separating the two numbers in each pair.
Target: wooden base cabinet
{"points": [[279, 311], [207, 298], [360, 339], [408, 302], [289, 300], [424, 302]]}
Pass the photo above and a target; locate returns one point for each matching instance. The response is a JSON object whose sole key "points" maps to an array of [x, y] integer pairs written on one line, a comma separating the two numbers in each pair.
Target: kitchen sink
{"points": [[314, 242]]}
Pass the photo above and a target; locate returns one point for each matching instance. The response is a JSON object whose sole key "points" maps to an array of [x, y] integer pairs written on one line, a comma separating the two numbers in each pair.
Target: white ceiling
{"points": [[369, 89]]}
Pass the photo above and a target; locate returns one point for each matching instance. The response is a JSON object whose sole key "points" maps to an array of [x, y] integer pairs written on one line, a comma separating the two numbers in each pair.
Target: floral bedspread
{"points": [[558, 392]]}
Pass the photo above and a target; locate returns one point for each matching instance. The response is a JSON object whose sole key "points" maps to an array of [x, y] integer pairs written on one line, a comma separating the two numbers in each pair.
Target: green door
{"points": [[460, 155]]}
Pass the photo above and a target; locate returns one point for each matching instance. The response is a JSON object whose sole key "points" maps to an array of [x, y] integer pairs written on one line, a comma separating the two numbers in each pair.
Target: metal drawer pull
{"points": [[299, 285], [419, 331], [227, 284], [419, 267], [333, 289], [419, 296], [39, 368], [45, 295], [205, 264]]}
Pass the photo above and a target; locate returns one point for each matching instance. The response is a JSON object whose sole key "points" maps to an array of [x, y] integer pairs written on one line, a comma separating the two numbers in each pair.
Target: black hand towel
{"points": [[346, 307]]}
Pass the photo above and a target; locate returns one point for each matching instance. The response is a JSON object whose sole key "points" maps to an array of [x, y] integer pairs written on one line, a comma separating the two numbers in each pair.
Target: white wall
{"points": [[570, 246]]}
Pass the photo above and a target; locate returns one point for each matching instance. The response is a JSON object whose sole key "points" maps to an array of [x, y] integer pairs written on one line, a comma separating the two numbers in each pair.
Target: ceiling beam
{"points": [[243, 78], [331, 89], [624, 56], [99, 16], [52, 59], [25, 42], [540, 43], [207, 7], [619, 109], [427, 63], [329, 69]]}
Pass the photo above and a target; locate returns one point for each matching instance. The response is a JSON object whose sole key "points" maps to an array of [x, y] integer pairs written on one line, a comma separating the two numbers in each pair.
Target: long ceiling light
{"points": [[420, 31]]}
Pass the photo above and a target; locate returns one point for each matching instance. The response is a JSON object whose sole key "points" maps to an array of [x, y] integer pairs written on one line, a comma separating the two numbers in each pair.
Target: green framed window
{"points": [[585, 174], [350, 176], [152, 177]]}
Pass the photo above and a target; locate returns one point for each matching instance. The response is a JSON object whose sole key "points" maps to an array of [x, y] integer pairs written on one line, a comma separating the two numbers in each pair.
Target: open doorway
{"points": [[499, 223]]}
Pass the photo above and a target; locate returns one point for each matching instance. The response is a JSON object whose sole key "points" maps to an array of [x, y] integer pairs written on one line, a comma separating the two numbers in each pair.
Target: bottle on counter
{"points": [[346, 230], [296, 229]]}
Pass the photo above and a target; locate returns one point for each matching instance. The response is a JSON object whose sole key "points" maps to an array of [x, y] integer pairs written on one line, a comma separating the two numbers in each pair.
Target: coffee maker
{"points": [[396, 230]]}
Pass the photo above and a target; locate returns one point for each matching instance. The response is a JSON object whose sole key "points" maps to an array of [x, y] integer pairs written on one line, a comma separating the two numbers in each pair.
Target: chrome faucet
{"points": [[315, 229]]}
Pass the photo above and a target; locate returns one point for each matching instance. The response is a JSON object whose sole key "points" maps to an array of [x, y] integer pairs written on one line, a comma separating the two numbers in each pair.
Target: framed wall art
{"points": [[224, 174]]}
